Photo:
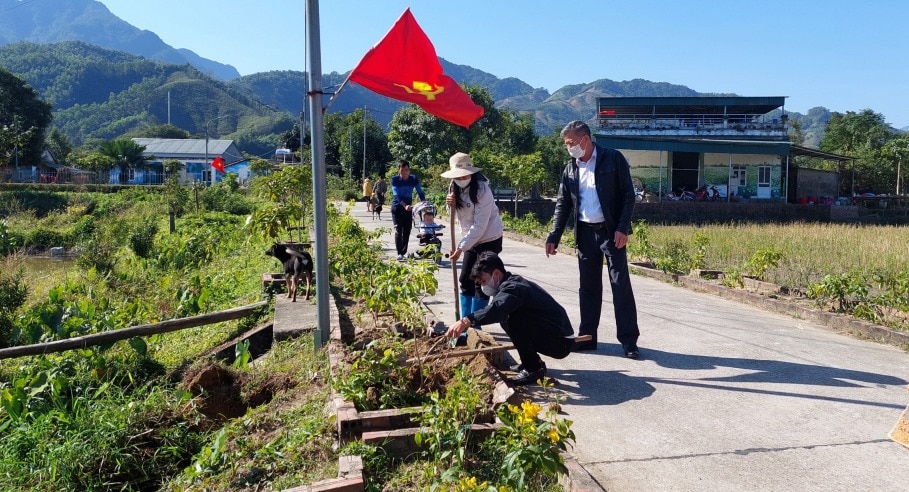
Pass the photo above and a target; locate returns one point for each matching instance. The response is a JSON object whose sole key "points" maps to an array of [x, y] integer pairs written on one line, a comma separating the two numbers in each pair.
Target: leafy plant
{"points": [[641, 247], [377, 379], [762, 260], [846, 290], [674, 258], [445, 425], [700, 243], [531, 441]]}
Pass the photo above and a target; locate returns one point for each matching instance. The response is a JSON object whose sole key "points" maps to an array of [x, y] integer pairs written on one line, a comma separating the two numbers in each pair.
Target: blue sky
{"points": [[844, 55]]}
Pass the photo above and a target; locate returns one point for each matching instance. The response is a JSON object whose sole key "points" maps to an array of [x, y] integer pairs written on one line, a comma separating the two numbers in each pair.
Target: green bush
{"points": [[222, 198], [13, 294], [44, 238], [142, 238], [10, 241]]}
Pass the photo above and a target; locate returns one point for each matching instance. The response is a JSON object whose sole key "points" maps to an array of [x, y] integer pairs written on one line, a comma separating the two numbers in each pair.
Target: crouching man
{"points": [[534, 321]]}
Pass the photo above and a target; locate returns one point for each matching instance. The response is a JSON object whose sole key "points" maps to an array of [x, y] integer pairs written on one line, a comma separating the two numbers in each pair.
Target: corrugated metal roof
{"points": [[172, 147]]}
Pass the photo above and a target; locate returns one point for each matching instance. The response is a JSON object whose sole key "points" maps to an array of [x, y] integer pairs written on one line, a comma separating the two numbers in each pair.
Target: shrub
{"points": [[44, 238], [13, 294], [142, 238]]}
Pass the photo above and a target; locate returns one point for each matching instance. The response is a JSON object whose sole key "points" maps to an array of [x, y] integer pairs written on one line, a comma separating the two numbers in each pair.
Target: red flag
{"points": [[218, 163], [404, 66]]}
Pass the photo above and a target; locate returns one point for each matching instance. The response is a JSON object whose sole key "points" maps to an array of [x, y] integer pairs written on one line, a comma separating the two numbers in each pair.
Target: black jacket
{"points": [[519, 294], [614, 188]]}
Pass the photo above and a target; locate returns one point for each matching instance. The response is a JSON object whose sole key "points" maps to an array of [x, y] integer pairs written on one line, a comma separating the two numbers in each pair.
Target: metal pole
{"points": [[660, 197], [364, 143], [320, 197], [206, 157]]}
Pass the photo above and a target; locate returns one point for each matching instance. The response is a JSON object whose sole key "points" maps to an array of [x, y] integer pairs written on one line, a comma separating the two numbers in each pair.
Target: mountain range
{"points": [[106, 77]]}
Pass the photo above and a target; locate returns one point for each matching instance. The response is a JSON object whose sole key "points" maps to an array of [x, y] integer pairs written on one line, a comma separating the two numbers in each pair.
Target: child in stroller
{"points": [[428, 232]]}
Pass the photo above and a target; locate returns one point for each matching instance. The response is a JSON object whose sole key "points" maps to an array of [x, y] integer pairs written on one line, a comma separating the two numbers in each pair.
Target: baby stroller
{"points": [[427, 234]]}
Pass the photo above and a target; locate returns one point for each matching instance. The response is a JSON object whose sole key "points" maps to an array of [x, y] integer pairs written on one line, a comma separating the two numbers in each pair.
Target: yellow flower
{"points": [[553, 436], [530, 410]]}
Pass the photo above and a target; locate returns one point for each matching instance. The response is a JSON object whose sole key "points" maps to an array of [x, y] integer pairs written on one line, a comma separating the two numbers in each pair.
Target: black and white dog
{"points": [[297, 266]]}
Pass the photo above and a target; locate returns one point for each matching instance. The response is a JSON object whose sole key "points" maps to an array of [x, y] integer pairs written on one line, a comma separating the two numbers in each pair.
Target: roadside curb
{"points": [[835, 321]]}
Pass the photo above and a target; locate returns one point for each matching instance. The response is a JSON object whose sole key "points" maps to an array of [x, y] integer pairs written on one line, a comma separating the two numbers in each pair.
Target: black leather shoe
{"points": [[527, 377], [582, 346], [632, 353]]}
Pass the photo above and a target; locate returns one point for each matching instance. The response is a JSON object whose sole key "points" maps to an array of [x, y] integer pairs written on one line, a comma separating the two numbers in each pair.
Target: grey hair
{"points": [[576, 127]]}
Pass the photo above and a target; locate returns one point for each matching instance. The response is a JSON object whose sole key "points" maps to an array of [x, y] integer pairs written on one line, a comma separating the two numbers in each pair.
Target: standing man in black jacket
{"points": [[596, 185], [534, 321]]}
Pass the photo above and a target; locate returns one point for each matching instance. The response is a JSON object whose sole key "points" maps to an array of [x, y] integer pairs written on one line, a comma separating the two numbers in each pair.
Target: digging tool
{"points": [[484, 350], [454, 265]]}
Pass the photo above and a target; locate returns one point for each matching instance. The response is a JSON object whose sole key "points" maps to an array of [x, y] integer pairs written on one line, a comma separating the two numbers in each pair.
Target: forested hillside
{"points": [[89, 21], [100, 94]]}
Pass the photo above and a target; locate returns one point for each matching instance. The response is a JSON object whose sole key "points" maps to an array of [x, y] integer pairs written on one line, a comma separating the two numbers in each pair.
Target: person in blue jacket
{"points": [[403, 185]]}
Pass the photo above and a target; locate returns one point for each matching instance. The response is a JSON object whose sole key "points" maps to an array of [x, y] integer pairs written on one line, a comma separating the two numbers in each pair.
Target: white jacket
{"points": [[480, 222]]}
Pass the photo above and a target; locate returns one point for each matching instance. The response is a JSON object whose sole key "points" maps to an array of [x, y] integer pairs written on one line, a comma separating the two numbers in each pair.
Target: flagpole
{"points": [[336, 93], [314, 76]]}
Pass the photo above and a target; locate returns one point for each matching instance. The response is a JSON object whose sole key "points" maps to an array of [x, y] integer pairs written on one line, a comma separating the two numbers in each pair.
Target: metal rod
{"points": [[320, 197]]}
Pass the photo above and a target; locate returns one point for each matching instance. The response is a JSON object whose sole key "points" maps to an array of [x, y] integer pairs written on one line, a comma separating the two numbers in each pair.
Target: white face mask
{"points": [[491, 288], [463, 183], [576, 151]]}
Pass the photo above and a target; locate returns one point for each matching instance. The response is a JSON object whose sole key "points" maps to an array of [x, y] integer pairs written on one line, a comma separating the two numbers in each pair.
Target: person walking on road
{"points": [[470, 197], [403, 185], [597, 186], [367, 193], [534, 321], [381, 189]]}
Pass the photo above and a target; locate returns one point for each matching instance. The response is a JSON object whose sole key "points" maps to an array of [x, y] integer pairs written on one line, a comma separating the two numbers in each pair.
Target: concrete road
{"points": [[725, 396]]}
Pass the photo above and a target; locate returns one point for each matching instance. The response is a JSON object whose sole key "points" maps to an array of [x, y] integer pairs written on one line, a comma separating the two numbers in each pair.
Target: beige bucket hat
{"points": [[461, 166]]}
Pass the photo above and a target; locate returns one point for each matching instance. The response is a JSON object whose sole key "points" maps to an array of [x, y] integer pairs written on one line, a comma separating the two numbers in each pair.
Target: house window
{"points": [[738, 177], [764, 175]]}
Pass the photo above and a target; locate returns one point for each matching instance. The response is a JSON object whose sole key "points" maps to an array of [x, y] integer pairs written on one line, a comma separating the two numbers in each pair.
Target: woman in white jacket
{"points": [[470, 196]]}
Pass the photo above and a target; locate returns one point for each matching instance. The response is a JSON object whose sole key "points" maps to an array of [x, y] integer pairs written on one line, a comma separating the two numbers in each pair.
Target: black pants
{"points": [[593, 244], [531, 338], [403, 224], [468, 287]]}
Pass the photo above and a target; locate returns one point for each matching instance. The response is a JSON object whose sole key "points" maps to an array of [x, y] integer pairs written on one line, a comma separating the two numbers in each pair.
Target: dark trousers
{"points": [[468, 287], [531, 338], [593, 244], [403, 225]]}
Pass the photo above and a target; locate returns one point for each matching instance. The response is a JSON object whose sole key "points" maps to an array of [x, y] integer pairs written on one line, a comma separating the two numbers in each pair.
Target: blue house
{"points": [[196, 155]]}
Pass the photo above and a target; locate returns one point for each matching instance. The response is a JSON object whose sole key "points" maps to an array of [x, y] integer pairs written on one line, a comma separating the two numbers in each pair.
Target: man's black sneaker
{"points": [[632, 353], [527, 377]]}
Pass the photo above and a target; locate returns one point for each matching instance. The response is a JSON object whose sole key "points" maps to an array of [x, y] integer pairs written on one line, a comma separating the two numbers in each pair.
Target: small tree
{"points": [[175, 195], [290, 191], [126, 155]]}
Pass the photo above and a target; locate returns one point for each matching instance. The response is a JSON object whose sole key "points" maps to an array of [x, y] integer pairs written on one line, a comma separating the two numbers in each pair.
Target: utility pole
{"points": [[364, 142], [207, 124], [320, 197]]}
